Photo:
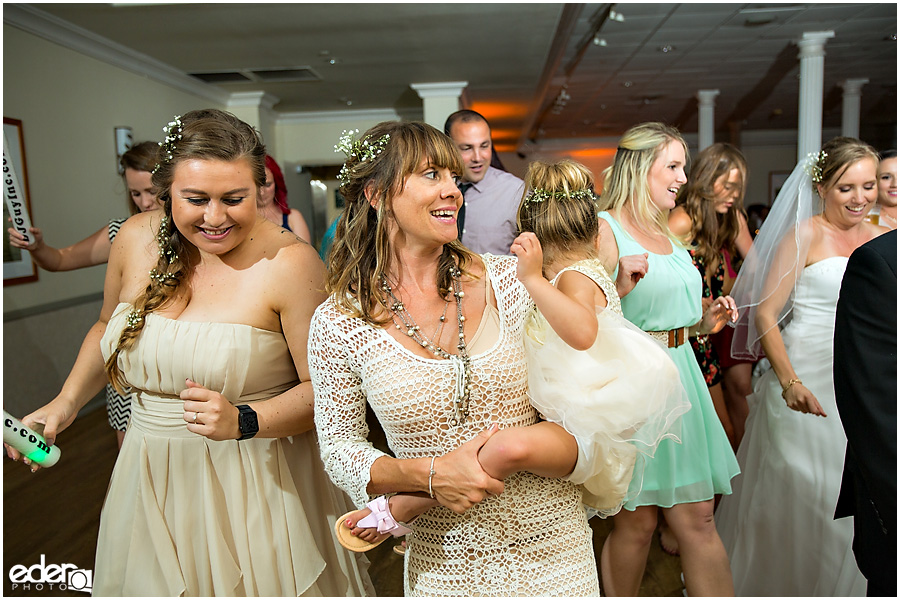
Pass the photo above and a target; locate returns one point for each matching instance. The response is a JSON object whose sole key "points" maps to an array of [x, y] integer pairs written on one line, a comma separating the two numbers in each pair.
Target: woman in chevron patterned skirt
{"points": [[137, 164]]}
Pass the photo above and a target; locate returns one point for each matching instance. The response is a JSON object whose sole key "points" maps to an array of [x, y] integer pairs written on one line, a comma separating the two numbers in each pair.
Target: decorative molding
{"points": [[44, 25], [338, 116], [253, 99], [853, 86], [707, 97], [812, 43], [446, 89]]}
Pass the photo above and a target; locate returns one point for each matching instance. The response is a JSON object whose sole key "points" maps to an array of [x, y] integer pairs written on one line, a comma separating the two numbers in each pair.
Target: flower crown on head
{"points": [[813, 166], [173, 134], [364, 149], [539, 195]]}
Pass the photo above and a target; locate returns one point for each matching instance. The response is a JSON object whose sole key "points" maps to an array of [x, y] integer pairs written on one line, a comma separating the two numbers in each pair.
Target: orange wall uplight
{"points": [[500, 110], [505, 140], [592, 153]]}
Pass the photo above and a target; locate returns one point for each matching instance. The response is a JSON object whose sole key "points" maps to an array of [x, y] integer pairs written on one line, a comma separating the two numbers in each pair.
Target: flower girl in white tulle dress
{"points": [[608, 392]]}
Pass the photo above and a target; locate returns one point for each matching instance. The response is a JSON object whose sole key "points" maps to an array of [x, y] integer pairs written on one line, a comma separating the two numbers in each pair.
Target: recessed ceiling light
{"points": [[599, 41], [627, 84], [666, 49], [333, 61]]}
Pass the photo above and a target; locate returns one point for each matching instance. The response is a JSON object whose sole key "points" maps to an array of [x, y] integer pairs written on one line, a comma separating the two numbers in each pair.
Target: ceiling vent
{"points": [[289, 74], [221, 77], [276, 75]]}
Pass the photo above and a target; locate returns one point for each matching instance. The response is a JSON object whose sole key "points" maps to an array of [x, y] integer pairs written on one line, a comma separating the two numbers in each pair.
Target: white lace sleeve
{"points": [[340, 407]]}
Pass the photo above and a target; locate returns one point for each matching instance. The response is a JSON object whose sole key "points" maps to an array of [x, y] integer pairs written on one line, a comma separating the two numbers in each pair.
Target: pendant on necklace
{"points": [[460, 362]]}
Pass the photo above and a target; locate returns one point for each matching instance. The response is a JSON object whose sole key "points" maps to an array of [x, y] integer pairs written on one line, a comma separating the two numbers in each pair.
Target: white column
{"points": [[255, 109], [439, 100], [812, 82], [850, 116], [706, 129]]}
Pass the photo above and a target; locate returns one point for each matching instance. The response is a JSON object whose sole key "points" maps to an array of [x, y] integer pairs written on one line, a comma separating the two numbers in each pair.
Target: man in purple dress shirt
{"points": [[487, 220]]}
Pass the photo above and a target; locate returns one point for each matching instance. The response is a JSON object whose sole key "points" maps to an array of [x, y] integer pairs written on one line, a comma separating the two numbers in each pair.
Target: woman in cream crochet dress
{"points": [[218, 489], [431, 337]]}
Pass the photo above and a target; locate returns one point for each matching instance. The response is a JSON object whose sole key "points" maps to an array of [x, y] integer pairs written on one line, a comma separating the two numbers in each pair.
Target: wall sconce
{"points": [[124, 140]]}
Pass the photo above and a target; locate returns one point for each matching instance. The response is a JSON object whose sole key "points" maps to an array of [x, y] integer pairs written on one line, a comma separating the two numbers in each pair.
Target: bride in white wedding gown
{"points": [[778, 526]]}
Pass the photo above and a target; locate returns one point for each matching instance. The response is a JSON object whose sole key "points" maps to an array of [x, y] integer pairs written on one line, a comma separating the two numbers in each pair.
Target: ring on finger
{"points": [[195, 417]]}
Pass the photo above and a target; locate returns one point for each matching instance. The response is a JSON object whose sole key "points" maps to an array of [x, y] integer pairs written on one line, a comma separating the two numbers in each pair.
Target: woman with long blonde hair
{"points": [[640, 189]]}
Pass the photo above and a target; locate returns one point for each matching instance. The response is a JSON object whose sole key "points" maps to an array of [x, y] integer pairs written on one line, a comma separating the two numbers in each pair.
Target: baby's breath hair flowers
{"points": [[173, 134], [363, 150], [540, 195], [813, 168]]}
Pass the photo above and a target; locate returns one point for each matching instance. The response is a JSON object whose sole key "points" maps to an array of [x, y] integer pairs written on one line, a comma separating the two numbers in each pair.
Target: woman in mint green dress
{"points": [[640, 189]]}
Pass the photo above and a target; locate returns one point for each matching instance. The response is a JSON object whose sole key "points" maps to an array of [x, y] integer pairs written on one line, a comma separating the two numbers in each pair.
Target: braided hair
{"points": [[207, 134]]}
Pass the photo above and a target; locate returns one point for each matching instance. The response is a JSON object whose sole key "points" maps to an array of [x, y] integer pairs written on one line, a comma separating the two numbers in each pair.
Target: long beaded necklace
{"points": [[461, 360]]}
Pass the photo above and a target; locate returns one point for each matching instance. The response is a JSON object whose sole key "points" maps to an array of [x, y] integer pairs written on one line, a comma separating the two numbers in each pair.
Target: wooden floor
{"points": [[56, 513]]}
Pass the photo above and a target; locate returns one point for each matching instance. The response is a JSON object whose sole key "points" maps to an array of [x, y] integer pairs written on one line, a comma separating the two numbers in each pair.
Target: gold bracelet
{"points": [[788, 386], [430, 476]]}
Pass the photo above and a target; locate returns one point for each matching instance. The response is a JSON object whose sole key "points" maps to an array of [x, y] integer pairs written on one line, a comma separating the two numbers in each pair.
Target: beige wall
{"points": [[311, 142], [39, 352], [761, 161], [69, 104]]}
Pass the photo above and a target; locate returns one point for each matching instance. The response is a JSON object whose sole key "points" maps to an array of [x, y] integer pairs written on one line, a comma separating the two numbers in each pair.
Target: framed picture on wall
{"points": [[776, 181], [18, 267]]}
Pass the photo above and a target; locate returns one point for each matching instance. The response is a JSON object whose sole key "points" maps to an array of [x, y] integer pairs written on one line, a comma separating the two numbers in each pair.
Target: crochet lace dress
{"points": [[533, 539]]}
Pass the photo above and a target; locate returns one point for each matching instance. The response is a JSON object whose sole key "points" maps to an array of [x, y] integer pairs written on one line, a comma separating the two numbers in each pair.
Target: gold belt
{"points": [[671, 338]]}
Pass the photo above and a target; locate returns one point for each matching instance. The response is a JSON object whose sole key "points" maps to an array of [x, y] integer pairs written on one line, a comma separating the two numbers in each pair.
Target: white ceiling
{"points": [[518, 57]]}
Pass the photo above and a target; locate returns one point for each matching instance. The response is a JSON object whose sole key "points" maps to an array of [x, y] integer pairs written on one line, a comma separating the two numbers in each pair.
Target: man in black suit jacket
{"points": [[865, 385]]}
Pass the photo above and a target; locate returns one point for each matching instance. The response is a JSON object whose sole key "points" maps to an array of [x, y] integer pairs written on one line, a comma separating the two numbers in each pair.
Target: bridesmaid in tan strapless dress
{"points": [[218, 489], [227, 518]]}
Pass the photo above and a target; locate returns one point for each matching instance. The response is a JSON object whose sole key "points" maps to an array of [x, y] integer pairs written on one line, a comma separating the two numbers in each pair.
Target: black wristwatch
{"points": [[247, 422]]}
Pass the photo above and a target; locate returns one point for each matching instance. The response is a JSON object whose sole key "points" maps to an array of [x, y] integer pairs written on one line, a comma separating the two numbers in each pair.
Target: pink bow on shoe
{"points": [[381, 518]]}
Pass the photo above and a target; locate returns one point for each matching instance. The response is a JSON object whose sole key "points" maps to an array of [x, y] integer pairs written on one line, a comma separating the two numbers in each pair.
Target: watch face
{"points": [[248, 423]]}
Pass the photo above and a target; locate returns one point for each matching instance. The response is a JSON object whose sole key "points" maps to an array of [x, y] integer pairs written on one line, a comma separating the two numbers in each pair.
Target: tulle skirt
{"points": [[619, 399]]}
